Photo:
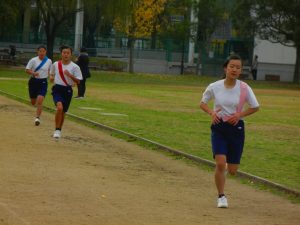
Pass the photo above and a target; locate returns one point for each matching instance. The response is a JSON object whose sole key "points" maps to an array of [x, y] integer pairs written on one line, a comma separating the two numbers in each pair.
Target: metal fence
{"points": [[161, 49]]}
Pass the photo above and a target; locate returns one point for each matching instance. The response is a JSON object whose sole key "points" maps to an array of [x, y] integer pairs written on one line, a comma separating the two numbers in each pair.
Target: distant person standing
{"points": [[12, 52], [254, 67], [64, 73], [83, 63], [38, 68]]}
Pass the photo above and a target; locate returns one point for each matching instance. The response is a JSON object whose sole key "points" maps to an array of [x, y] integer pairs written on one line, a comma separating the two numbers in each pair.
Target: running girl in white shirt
{"points": [[64, 74], [38, 68], [227, 129]]}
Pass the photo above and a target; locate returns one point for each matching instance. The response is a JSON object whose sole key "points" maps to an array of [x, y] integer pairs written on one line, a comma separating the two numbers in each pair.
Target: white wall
{"points": [[275, 59], [269, 52]]}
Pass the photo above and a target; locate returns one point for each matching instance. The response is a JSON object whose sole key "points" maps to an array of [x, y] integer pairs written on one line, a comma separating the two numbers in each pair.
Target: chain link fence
{"points": [[166, 51]]}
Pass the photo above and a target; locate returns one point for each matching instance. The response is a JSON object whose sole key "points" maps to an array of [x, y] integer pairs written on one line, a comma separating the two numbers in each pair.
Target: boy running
{"points": [[64, 74], [38, 68]]}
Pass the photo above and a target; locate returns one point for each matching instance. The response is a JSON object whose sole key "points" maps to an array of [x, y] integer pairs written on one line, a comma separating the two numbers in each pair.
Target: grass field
{"points": [[165, 109]]}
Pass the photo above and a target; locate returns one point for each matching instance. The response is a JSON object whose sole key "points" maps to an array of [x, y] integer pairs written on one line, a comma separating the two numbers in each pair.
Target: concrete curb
{"points": [[196, 159]]}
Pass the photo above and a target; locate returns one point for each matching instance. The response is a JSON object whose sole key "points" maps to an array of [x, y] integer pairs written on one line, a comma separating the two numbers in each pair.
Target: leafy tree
{"points": [[155, 31], [99, 16], [54, 13], [10, 12], [178, 25], [138, 21], [209, 14], [275, 20]]}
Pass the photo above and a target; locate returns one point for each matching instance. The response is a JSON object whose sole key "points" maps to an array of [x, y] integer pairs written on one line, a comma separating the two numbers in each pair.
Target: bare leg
{"points": [[232, 169], [220, 173], [39, 105], [33, 101], [59, 116], [62, 120]]}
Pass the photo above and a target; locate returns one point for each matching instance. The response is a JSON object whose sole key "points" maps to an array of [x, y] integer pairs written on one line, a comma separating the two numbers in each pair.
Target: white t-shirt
{"points": [[43, 71], [71, 67], [227, 99]]}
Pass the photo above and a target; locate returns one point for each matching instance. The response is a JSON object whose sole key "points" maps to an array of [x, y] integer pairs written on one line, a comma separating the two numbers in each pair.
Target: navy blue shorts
{"points": [[228, 140], [37, 87], [62, 94]]}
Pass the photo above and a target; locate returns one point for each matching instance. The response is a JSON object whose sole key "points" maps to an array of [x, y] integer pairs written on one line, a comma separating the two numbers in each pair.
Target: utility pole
{"points": [[192, 42], [78, 26]]}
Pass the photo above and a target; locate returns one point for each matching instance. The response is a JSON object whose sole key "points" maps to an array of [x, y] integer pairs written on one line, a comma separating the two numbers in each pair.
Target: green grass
{"points": [[165, 109]]}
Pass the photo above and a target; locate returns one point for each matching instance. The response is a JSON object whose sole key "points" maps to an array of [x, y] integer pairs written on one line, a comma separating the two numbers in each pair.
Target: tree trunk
{"points": [[50, 35], [182, 58], [131, 52], [153, 39], [297, 66], [90, 42], [50, 31], [50, 45], [199, 60], [26, 24], [89, 35]]}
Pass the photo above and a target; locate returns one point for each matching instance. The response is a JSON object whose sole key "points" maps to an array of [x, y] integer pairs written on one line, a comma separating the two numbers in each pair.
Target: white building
{"points": [[274, 59]]}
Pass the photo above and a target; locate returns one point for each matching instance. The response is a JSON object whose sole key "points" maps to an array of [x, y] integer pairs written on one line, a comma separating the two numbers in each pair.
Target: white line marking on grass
{"points": [[89, 108], [15, 215], [12, 78], [100, 109], [113, 114]]}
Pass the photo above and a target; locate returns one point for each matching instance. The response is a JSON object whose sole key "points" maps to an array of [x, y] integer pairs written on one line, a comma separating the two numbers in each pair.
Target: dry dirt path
{"points": [[91, 178]]}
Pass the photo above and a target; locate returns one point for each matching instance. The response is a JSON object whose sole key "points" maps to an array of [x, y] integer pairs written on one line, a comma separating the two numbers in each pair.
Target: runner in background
{"points": [[38, 68], [227, 128], [64, 74]]}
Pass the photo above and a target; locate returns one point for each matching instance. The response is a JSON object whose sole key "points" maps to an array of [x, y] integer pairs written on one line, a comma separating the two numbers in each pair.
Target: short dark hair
{"points": [[65, 47], [232, 57], [83, 49], [42, 46]]}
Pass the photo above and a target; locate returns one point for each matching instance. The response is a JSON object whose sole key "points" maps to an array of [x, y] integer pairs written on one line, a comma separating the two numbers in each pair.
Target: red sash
{"points": [[61, 73]]}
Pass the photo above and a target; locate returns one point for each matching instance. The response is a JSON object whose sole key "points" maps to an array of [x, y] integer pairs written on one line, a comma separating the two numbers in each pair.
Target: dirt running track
{"points": [[91, 178]]}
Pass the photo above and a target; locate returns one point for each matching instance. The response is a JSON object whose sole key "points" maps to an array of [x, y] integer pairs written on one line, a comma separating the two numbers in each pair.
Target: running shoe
{"points": [[37, 121], [222, 202], [57, 134]]}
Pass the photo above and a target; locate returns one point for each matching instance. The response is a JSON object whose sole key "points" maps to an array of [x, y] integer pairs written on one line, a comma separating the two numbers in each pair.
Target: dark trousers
{"points": [[254, 74], [81, 88]]}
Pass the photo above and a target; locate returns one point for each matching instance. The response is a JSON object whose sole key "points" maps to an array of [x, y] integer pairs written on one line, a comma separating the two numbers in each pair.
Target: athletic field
{"points": [[90, 177], [165, 109]]}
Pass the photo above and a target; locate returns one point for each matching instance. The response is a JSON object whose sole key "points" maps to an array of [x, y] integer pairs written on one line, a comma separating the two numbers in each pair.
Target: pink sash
{"points": [[243, 96]]}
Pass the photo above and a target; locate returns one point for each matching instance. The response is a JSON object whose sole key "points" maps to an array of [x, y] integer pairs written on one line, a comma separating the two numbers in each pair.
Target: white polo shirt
{"points": [[227, 99], [43, 71], [71, 67]]}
